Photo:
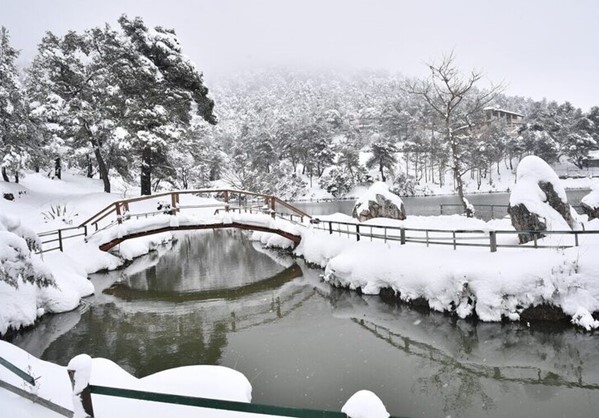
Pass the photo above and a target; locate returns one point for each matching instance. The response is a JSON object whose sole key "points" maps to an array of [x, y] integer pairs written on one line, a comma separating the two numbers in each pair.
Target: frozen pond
{"points": [[430, 205], [218, 298]]}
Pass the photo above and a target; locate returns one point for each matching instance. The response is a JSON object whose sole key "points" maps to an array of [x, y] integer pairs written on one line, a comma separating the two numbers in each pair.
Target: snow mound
{"points": [[364, 404]]}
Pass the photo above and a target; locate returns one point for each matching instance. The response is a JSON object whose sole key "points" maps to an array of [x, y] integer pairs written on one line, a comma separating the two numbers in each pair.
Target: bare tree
{"points": [[456, 101]]}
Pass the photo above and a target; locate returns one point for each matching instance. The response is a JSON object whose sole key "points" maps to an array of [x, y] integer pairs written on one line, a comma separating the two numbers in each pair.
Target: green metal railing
{"points": [[33, 397], [23, 375], [214, 403]]}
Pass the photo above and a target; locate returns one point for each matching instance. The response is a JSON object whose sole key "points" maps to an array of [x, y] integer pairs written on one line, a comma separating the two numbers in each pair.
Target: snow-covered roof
{"points": [[504, 111]]}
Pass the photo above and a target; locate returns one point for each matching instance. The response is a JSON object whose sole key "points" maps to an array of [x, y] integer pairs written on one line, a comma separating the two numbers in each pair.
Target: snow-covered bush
{"points": [[16, 262], [339, 181], [403, 185]]}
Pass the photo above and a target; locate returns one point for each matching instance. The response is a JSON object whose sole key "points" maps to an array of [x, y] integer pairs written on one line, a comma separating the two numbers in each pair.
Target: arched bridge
{"points": [[190, 210]]}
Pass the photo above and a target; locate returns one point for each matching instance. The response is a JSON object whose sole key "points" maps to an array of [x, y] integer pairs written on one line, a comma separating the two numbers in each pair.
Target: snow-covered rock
{"points": [[538, 201], [364, 404], [590, 203], [379, 202]]}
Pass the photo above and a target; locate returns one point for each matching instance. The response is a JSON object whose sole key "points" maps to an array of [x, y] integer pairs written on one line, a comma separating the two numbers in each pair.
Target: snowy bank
{"points": [[467, 281]]}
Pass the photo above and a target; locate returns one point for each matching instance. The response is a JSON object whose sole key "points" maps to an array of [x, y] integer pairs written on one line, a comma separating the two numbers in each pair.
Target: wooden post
{"points": [[60, 239], [226, 200], [454, 243], [493, 241], [330, 227], [441, 209], [402, 236], [79, 369], [357, 232], [118, 212], [272, 207], [427, 237], [575, 238], [174, 203]]}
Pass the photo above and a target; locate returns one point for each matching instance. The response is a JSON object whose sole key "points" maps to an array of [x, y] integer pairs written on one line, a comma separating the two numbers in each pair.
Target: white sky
{"points": [[539, 48]]}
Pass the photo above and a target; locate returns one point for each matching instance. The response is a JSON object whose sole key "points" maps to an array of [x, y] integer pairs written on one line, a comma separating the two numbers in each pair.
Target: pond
{"points": [[219, 298]]}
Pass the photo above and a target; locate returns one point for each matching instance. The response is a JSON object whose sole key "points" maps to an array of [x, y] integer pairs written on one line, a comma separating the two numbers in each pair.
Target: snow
{"points": [[365, 404], [465, 281], [52, 383]]}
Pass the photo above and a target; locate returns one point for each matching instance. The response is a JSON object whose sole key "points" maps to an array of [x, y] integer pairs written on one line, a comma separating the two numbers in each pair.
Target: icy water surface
{"points": [[218, 298], [430, 205]]}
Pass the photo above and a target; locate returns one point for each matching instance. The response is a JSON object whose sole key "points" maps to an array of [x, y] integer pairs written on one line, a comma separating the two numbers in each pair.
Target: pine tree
{"points": [[17, 142], [383, 155], [161, 88]]}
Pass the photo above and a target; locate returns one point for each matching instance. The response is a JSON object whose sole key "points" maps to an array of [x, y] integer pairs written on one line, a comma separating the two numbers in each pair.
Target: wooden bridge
{"points": [[190, 213]]}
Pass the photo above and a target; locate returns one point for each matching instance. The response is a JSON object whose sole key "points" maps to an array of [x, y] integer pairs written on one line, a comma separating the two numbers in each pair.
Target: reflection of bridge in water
{"points": [[505, 373]]}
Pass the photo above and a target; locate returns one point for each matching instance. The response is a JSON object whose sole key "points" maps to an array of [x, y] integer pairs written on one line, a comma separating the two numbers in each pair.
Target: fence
{"points": [[26, 377], [483, 211], [216, 404], [455, 238]]}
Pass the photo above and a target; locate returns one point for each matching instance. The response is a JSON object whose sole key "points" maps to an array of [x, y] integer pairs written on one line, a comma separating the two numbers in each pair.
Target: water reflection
{"points": [[305, 344]]}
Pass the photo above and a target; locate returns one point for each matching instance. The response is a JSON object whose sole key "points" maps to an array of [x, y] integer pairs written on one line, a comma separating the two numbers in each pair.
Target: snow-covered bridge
{"points": [[191, 210]]}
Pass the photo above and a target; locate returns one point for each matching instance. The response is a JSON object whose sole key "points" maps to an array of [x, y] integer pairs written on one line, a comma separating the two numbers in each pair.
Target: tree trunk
{"points": [[90, 168], [17, 177], [102, 169], [381, 168], [57, 169], [5, 175], [146, 171]]}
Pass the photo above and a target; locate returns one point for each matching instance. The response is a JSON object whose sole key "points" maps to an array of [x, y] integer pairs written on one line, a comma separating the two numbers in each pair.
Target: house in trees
{"points": [[592, 159], [512, 119]]}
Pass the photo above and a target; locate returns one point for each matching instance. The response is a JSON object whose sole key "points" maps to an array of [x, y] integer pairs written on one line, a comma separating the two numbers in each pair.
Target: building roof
{"points": [[504, 111]]}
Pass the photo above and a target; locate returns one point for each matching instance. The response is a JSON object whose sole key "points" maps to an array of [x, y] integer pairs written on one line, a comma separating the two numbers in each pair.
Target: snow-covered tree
{"points": [[456, 102], [17, 142], [383, 151], [162, 90]]}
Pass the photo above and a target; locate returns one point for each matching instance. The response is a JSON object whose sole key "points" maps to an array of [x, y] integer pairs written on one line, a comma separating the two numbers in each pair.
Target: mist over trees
{"points": [[124, 102]]}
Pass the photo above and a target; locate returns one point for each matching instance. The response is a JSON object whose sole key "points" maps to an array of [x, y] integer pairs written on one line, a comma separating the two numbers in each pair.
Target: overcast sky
{"points": [[539, 48]]}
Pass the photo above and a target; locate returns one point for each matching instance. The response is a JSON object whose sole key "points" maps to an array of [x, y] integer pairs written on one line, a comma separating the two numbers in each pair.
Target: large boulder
{"points": [[538, 201], [590, 204], [379, 202]]}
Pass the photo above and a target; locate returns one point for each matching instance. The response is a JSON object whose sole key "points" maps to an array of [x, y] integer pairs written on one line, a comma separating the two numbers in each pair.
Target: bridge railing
{"points": [[170, 203], [455, 238]]}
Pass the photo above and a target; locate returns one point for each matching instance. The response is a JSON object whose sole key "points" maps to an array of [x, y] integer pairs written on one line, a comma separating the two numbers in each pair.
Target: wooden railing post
{"points": [[226, 200], [60, 239], [118, 212], [357, 232], [79, 370], [493, 241], [272, 207], [174, 203], [330, 227], [454, 243], [402, 236]]}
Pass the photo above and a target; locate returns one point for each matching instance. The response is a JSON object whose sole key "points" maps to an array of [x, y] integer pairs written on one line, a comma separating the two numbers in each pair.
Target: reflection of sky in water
{"points": [[212, 263], [304, 344]]}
